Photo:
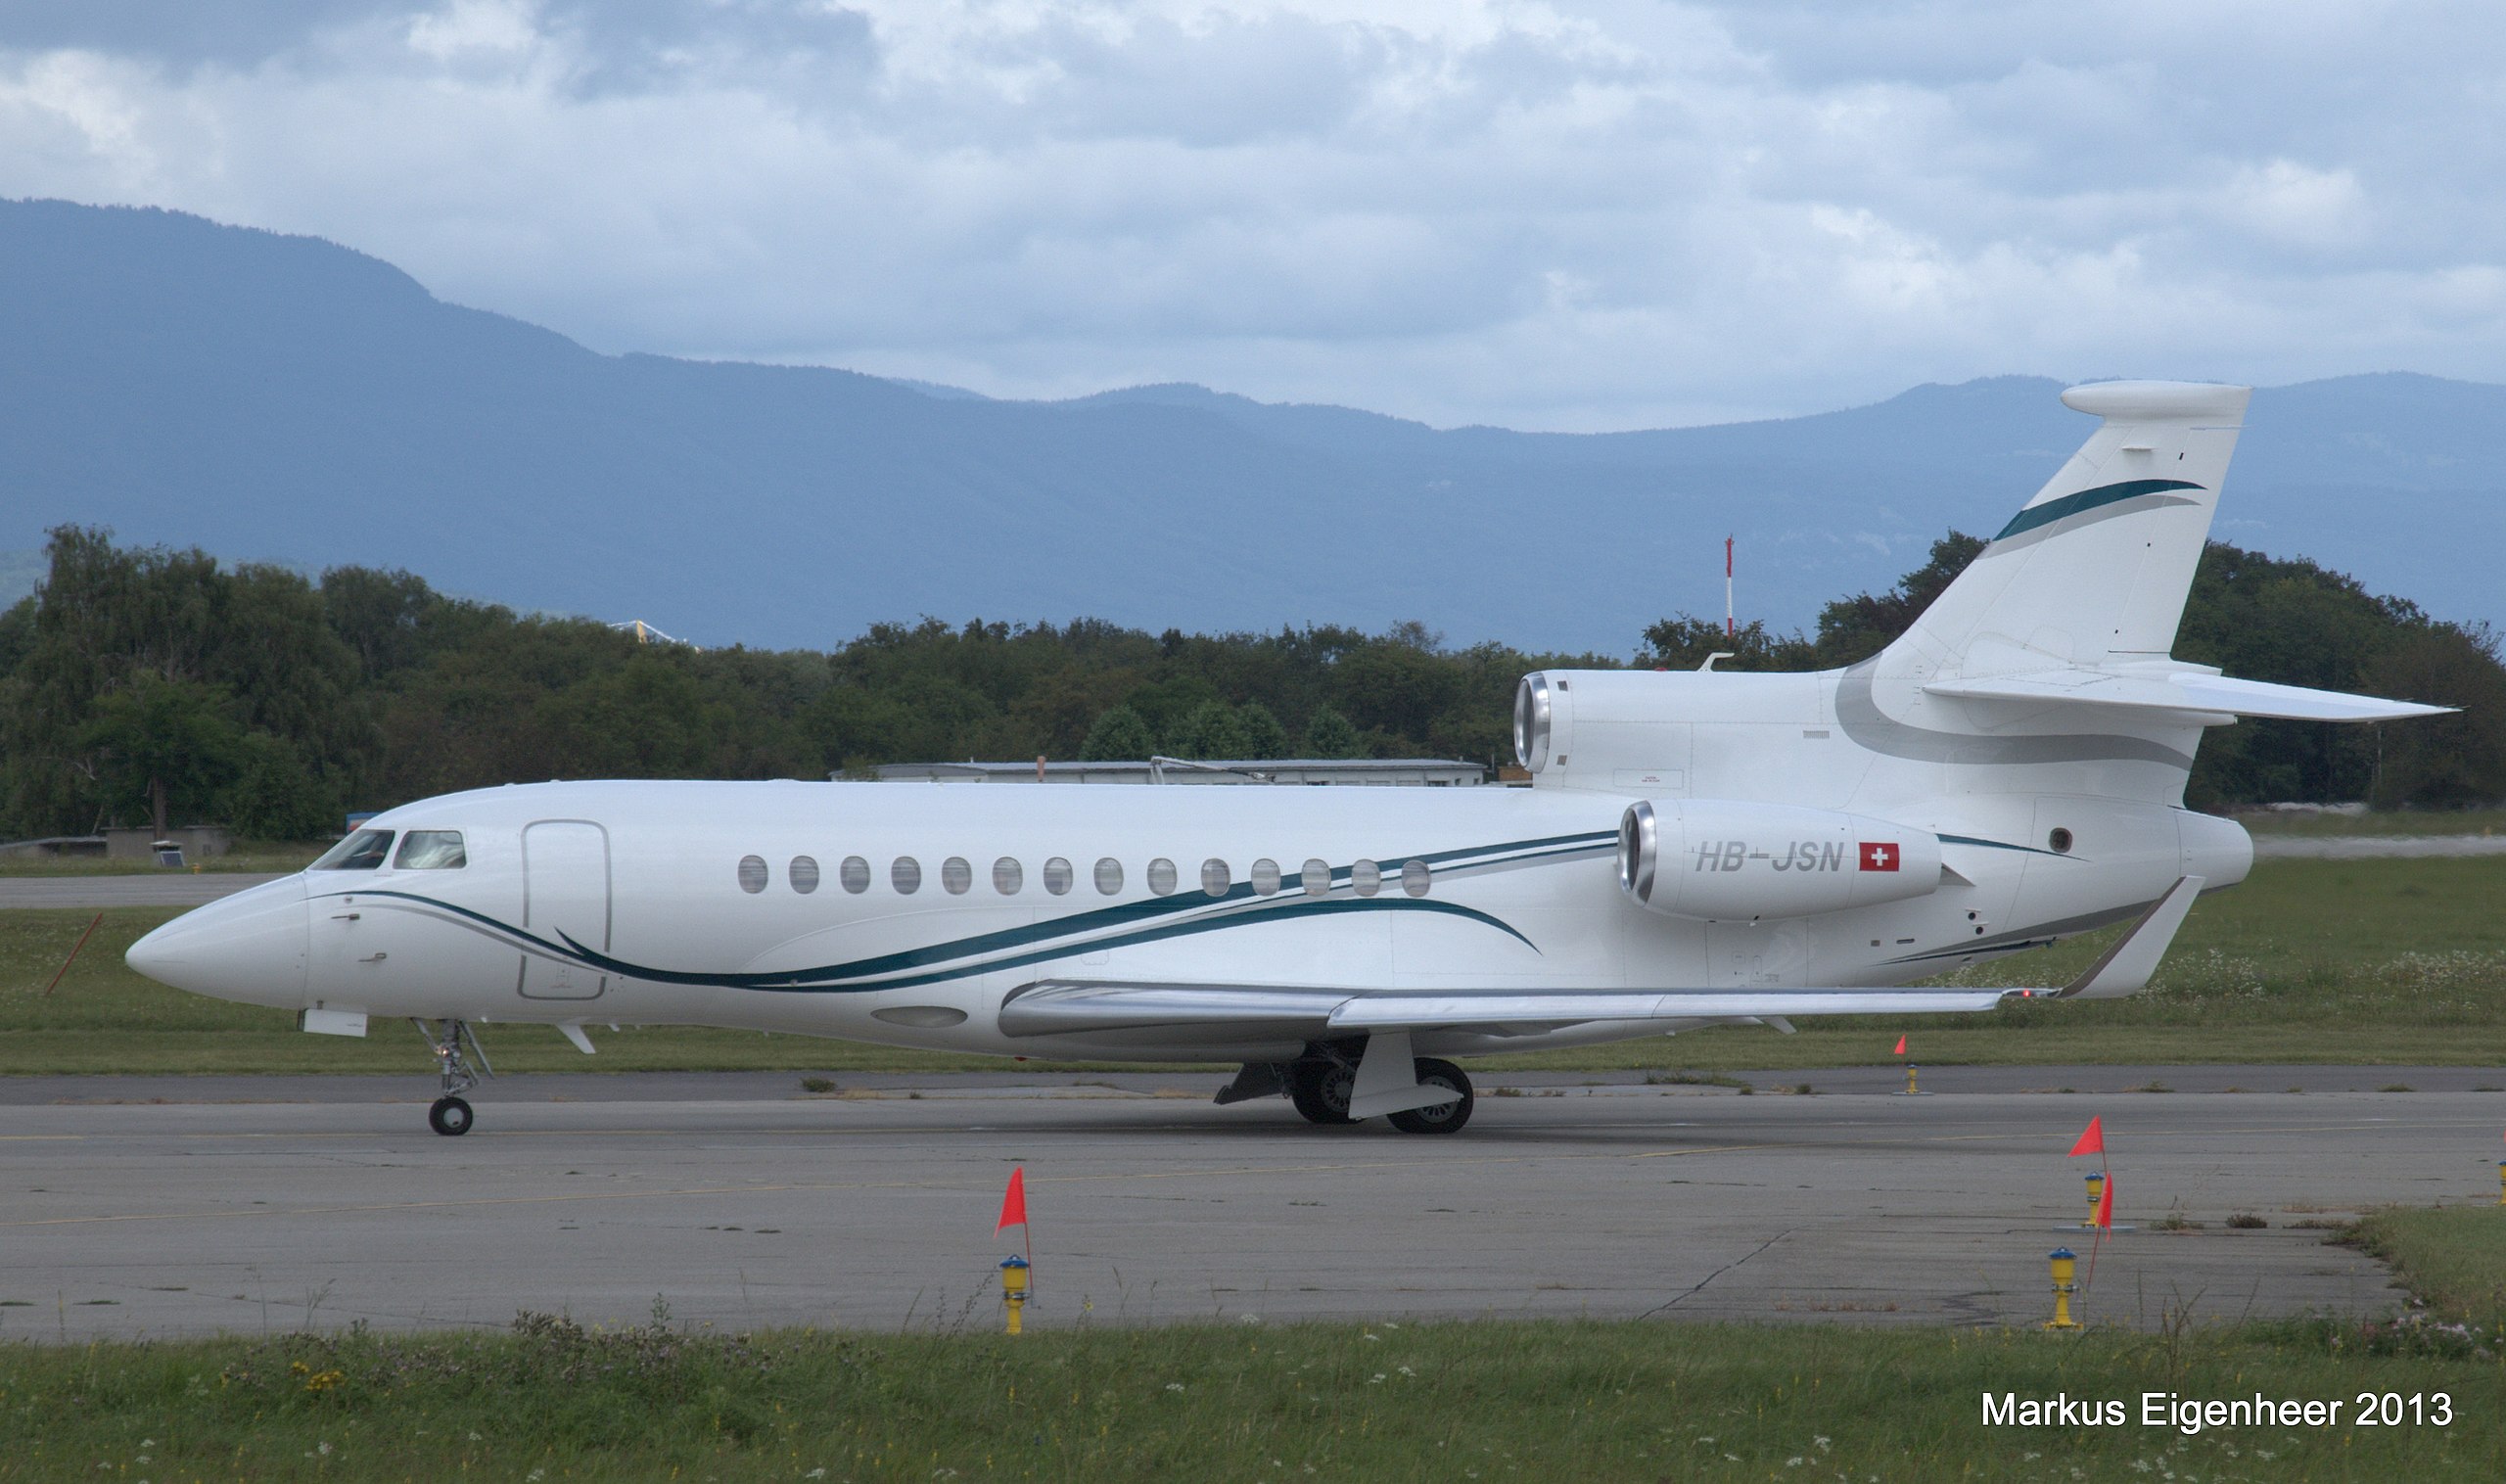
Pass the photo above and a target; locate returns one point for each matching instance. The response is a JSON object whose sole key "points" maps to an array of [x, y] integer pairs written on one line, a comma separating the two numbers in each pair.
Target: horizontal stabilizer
{"points": [[2183, 690]]}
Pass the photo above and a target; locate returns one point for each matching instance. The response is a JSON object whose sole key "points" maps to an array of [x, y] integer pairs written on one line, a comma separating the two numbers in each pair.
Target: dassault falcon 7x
{"points": [[1696, 849]]}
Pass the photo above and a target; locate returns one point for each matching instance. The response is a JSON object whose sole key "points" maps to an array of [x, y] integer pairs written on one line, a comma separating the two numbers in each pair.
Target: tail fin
{"points": [[2094, 571]]}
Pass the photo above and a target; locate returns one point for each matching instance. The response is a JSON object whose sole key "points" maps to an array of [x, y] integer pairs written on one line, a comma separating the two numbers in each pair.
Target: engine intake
{"points": [[1736, 861]]}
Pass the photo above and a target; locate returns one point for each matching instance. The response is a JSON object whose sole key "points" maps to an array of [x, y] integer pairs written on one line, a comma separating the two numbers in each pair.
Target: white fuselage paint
{"points": [[2010, 770], [593, 903]]}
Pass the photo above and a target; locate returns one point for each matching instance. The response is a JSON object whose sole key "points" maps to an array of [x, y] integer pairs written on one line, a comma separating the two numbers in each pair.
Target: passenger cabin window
{"points": [[1266, 877], [1316, 878], [752, 874], [1413, 878], [1007, 876], [906, 875], [1366, 878], [854, 873], [1057, 876], [1160, 876], [956, 875], [363, 851], [804, 874], [1109, 876], [431, 850], [1214, 877]]}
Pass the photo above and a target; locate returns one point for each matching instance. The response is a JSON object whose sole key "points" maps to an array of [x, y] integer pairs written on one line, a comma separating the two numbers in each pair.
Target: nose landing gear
{"points": [[450, 1116]]}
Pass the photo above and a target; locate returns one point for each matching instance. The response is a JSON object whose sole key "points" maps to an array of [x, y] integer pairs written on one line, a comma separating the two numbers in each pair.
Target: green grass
{"points": [[2400, 962], [2382, 822], [2393, 961], [2452, 1257], [1443, 1401], [248, 855]]}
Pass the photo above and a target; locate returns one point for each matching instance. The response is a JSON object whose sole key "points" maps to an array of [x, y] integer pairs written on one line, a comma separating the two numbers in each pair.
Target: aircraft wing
{"points": [[1060, 1005], [2182, 690], [1053, 1006], [1057, 1006], [1416, 1012]]}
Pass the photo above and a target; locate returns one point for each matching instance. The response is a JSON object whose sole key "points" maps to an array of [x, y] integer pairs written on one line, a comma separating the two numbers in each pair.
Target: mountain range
{"points": [[286, 398]]}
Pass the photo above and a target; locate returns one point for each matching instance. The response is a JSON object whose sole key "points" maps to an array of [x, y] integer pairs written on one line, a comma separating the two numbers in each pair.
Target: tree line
{"points": [[143, 684]]}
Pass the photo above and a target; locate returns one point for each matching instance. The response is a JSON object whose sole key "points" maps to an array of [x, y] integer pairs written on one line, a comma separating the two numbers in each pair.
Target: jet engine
{"points": [[1727, 860]]}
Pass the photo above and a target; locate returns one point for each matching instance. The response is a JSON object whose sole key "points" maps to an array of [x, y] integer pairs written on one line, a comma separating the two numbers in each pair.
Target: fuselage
{"points": [[906, 913]]}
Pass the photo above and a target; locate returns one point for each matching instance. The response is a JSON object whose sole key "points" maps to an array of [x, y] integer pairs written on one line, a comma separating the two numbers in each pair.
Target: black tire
{"points": [[449, 1117], [1320, 1091], [1444, 1118]]}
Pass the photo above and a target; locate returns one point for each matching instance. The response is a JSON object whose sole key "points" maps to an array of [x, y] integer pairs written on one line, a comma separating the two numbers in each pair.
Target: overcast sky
{"points": [[1542, 215]]}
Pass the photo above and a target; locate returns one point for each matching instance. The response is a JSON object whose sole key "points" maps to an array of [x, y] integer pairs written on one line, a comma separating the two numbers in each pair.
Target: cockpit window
{"points": [[431, 850], [363, 851]]}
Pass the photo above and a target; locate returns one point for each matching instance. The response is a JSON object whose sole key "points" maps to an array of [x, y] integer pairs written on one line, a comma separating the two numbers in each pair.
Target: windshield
{"points": [[431, 850], [361, 851]]}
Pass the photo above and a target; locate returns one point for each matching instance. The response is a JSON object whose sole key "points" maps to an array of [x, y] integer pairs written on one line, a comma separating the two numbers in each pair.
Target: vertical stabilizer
{"points": [[2095, 569]]}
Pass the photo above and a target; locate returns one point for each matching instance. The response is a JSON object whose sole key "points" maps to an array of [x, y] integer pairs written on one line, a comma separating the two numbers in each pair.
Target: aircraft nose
{"points": [[250, 946]]}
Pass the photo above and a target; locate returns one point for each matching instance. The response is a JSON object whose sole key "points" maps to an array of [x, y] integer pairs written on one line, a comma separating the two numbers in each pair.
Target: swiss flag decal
{"points": [[1877, 856]]}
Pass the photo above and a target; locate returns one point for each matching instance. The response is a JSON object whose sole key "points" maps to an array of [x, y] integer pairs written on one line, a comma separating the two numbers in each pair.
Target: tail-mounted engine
{"points": [[1736, 861]]}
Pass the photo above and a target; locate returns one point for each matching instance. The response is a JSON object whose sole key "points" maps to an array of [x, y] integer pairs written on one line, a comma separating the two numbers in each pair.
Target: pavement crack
{"points": [[1717, 1273]]}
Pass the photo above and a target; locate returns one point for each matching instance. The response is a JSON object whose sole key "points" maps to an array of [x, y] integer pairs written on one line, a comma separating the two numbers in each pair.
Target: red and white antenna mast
{"points": [[1729, 629]]}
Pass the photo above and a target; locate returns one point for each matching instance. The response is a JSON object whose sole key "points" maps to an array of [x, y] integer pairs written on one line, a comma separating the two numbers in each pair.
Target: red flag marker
{"points": [[2092, 1140], [1013, 1202], [1901, 1048], [2106, 1205]]}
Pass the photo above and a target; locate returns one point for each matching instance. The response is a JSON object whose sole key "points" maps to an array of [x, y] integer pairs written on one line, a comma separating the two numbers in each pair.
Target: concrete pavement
{"points": [[745, 1203]]}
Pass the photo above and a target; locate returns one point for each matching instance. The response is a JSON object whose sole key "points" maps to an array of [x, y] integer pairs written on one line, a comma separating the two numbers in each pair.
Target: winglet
{"points": [[2126, 967]]}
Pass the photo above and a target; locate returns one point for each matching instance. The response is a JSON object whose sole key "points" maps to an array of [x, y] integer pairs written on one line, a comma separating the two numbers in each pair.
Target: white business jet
{"points": [[1696, 850]]}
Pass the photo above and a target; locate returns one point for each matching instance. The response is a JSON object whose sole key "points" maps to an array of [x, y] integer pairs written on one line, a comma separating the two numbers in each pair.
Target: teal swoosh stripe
{"points": [[2087, 499], [1121, 914], [1980, 945], [482, 920], [1442, 857], [805, 981], [1998, 845], [1058, 932]]}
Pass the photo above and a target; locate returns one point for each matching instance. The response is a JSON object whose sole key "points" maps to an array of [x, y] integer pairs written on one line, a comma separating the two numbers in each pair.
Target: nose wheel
{"points": [[454, 1044]]}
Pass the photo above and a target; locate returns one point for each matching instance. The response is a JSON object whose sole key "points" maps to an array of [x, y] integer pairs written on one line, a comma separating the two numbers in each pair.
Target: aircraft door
{"points": [[564, 895]]}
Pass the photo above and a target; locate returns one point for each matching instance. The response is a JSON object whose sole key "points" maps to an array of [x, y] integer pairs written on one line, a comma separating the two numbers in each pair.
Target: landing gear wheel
{"points": [[1320, 1091], [454, 1045], [449, 1117], [1443, 1118]]}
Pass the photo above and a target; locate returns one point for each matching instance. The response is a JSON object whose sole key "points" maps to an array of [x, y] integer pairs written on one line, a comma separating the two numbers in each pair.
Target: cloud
{"points": [[1538, 215]]}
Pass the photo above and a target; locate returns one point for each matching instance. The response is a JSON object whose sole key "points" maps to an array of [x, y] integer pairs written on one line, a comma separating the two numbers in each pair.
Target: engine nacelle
{"points": [[1735, 861]]}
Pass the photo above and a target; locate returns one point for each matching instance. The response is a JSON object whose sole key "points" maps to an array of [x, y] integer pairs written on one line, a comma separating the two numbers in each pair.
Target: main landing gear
{"points": [[1322, 1088], [1320, 1091], [450, 1115], [1443, 1117]]}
